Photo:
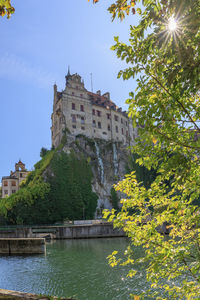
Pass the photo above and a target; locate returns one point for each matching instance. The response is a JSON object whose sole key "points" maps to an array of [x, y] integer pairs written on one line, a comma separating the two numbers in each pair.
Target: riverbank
{"points": [[14, 295], [25, 246], [63, 232]]}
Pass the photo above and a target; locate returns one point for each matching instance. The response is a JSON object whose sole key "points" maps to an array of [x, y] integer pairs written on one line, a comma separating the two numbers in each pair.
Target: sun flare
{"points": [[172, 24]]}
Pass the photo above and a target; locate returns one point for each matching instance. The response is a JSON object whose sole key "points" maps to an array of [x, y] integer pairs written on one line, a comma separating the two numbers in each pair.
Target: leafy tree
{"points": [[43, 152], [114, 199], [142, 173], [71, 191], [66, 192], [163, 55], [6, 8]]}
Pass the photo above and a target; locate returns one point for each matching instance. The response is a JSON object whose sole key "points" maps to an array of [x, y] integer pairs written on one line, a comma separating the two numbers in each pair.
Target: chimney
{"points": [[98, 92], [107, 95]]}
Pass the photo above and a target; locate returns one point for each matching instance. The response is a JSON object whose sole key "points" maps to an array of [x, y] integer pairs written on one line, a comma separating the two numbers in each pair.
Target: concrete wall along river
{"points": [[63, 232]]}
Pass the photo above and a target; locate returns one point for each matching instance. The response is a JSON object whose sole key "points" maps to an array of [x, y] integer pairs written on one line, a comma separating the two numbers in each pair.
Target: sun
{"points": [[172, 24]]}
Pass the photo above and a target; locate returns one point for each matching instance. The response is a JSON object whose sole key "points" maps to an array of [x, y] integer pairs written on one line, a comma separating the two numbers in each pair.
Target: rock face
{"points": [[108, 160]]}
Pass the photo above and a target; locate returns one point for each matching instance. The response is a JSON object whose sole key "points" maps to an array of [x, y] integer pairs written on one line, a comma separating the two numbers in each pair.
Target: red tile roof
{"points": [[103, 101]]}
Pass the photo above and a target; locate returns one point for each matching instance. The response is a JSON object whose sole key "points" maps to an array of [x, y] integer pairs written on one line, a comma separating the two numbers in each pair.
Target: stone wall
{"points": [[65, 232], [88, 231], [11, 246], [16, 232], [14, 295]]}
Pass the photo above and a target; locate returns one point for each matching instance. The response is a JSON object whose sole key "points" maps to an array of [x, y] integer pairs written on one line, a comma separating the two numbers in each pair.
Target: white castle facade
{"points": [[79, 111]]}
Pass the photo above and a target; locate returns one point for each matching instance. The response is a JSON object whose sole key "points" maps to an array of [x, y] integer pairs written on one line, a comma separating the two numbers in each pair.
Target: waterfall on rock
{"points": [[115, 161], [100, 162]]}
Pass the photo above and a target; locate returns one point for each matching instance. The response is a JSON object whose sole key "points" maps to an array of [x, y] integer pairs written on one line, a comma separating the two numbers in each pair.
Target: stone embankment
{"points": [[17, 246], [13, 295], [63, 232]]}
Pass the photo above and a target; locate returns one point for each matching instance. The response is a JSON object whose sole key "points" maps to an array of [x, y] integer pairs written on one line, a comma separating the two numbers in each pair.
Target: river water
{"points": [[76, 268]]}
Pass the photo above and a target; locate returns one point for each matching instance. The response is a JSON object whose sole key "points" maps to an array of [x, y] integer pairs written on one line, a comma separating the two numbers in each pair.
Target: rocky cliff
{"points": [[108, 160], [72, 182]]}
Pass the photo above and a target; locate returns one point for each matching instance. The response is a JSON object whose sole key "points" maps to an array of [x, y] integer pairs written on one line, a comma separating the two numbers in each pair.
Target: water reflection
{"points": [[72, 268]]}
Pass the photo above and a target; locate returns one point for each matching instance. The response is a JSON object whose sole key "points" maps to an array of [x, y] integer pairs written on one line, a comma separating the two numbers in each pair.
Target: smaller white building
{"points": [[11, 184]]}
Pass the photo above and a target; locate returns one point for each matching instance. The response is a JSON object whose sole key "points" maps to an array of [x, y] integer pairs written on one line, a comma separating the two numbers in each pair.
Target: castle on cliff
{"points": [[79, 111]]}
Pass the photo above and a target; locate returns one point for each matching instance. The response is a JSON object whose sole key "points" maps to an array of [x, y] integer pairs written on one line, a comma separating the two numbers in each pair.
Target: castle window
{"points": [[122, 130], [116, 118], [6, 192], [13, 183], [73, 119], [82, 120], [5, 183], [74, 126], [77, 87], [105, 133], [72, 93], [122, 121], [82, 108], [108, 127], [93, 112], [81, 95], [98, 113], [94, 123], [21, 175], [126, 132], [82, 127], [99, 124], [73, 106], [108, 116], [116, 127]]}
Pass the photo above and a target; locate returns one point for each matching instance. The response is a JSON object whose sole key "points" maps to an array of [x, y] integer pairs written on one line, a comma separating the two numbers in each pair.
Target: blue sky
{"points": [[37, 44]]}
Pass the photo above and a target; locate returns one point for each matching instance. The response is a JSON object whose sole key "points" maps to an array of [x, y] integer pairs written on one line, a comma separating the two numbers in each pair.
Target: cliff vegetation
{"points": [[58, 189]]}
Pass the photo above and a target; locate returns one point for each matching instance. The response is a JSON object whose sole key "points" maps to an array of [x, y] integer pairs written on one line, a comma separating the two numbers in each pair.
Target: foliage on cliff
{"points": [[143, 175], [71, 190], [166, 107], [66, 192]]}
